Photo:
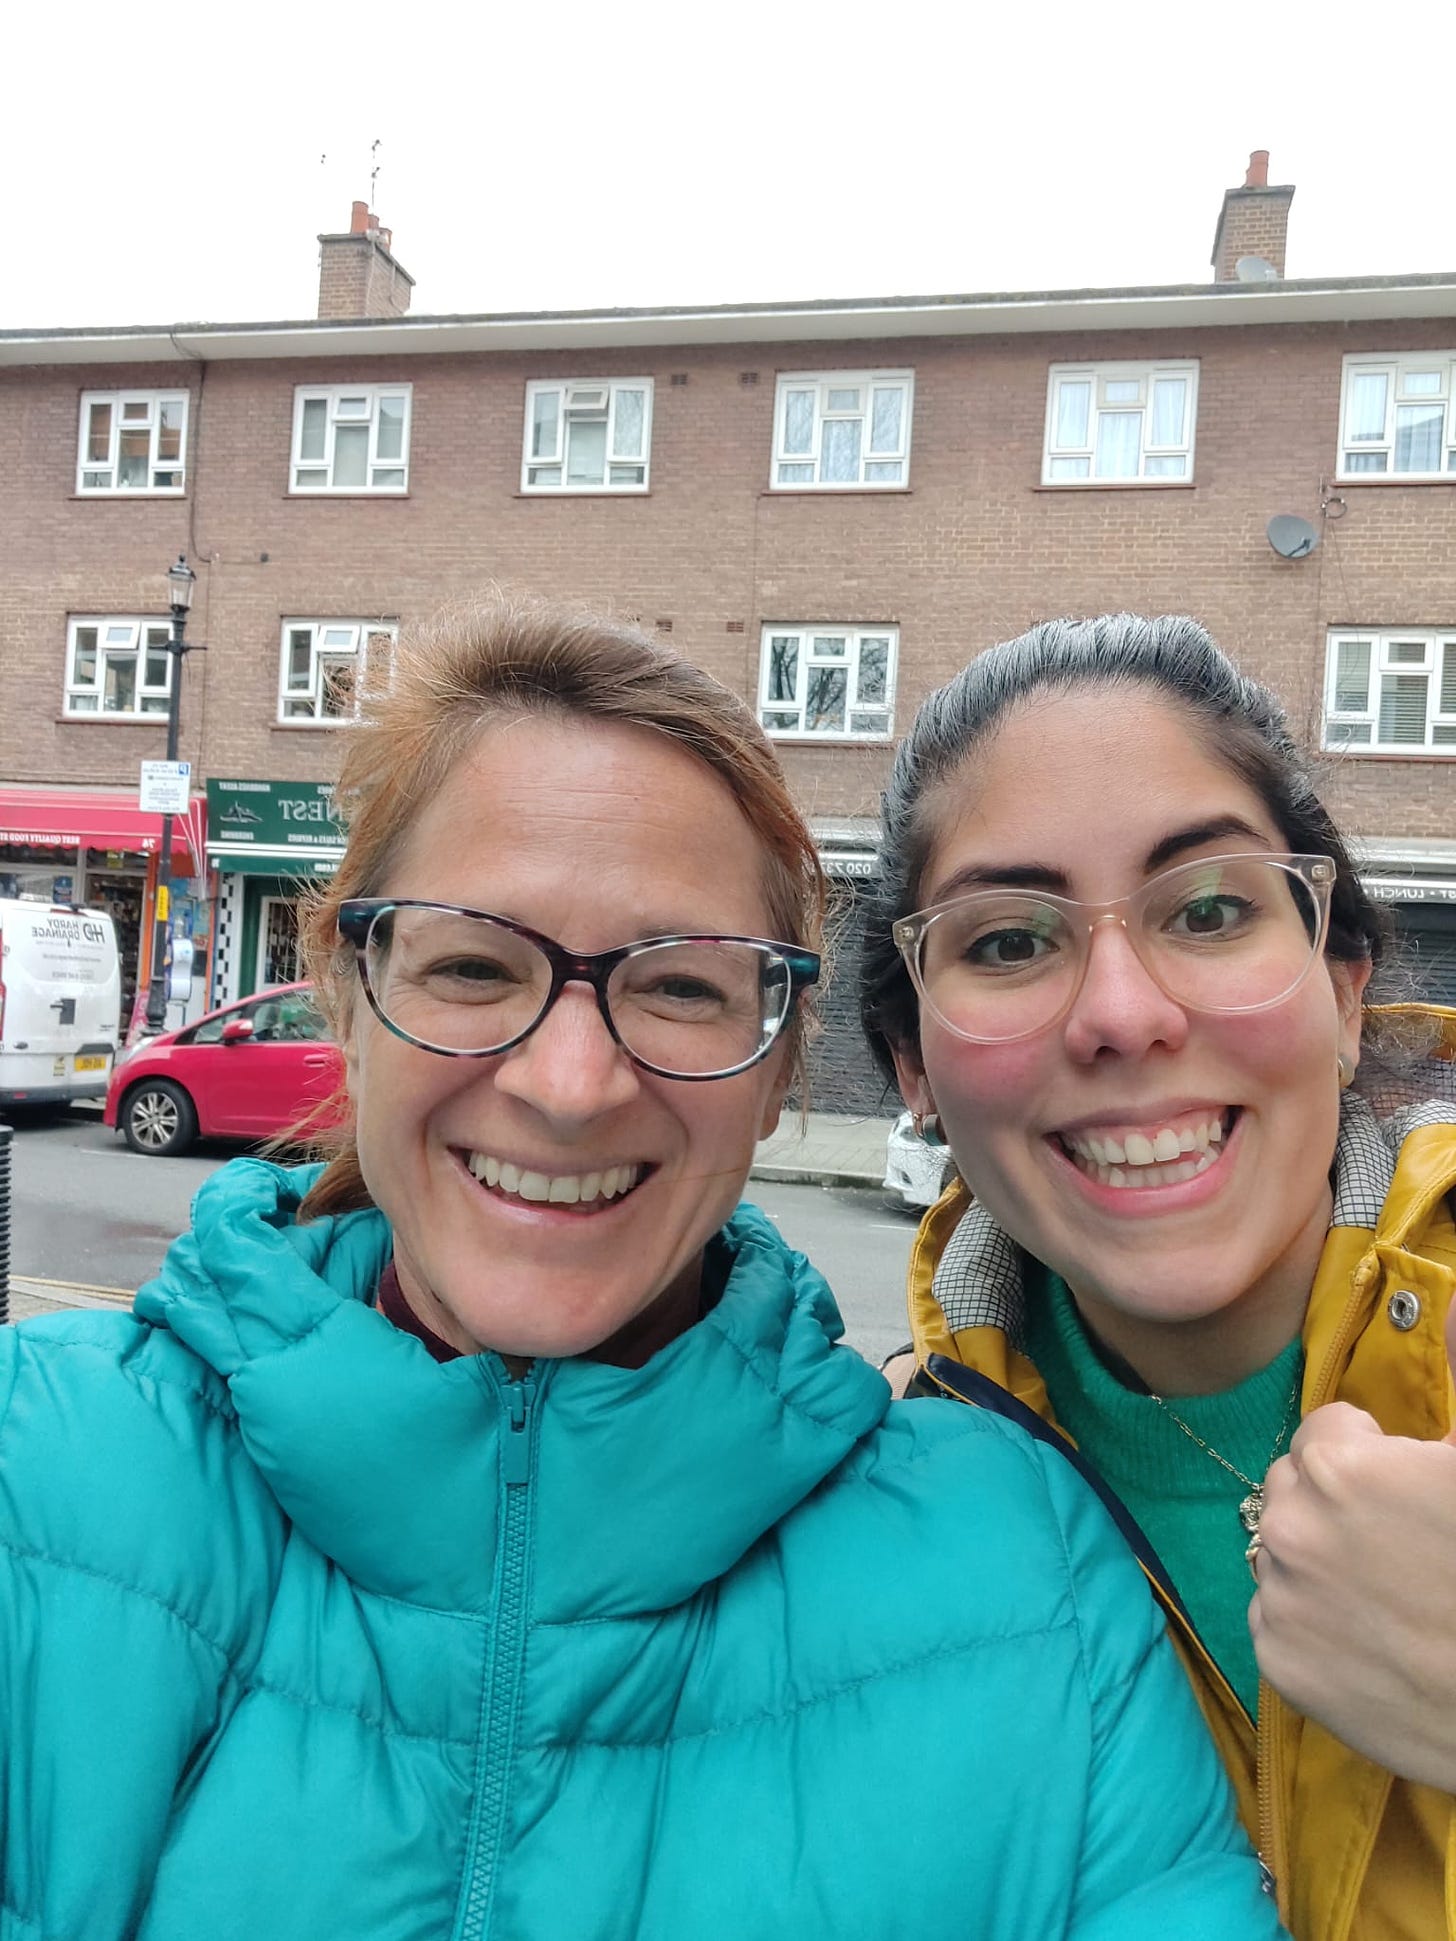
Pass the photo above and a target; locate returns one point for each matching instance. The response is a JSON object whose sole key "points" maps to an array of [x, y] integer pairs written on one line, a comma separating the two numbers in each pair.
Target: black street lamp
{"points": [[180, 582]]}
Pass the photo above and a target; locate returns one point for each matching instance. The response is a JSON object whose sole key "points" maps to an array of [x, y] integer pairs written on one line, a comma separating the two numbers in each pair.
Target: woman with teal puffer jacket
{"points": [[482, 1535]]}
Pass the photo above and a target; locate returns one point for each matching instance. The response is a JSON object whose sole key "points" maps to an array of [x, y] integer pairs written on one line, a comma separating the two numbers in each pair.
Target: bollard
{"points": [[4, 1225]]}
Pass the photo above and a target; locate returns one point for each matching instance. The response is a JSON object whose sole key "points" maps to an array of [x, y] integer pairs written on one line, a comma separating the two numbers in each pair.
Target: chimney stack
{"points": [[358, 277], [1252, 223]]}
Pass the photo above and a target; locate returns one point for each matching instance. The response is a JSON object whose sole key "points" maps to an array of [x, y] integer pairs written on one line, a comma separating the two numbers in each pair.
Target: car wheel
{"points": [[158, 1118]]}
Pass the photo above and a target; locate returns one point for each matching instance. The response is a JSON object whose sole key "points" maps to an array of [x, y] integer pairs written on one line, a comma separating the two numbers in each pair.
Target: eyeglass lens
{"points": [[1233, 934], [463, 983]]}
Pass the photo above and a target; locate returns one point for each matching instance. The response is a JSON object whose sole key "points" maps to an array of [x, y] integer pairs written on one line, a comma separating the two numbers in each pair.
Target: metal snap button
{"points": [[1404, 1309]]}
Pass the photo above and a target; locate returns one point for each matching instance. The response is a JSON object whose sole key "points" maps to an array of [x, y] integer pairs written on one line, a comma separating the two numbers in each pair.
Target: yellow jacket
{"points": [[1356, 1854]]}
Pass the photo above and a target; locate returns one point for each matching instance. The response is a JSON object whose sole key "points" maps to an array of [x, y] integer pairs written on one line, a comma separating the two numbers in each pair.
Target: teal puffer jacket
{"points": [[305, 1636]]}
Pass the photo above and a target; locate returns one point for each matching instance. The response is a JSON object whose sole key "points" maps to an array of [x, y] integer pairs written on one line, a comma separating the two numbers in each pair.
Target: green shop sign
{"points": [[280, 828]]}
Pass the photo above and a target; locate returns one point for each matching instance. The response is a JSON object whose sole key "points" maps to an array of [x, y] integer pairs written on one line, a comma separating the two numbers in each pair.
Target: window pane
{"points": [[1070, 468], [315, 425], [1418, 430], [169, 432], [135, 411], [1170, 404], [1352, 676], [799, 421], [1123, 390], [1365, 410], [1403, 709], [586, 451], [885, 471], [351, 454], [630, 417], [338, 688], [1173, 466], [845, 399], [120, 684], [1406, 653], [544, 475], [781, 724], [1447, 703], [298, 657], [545, 422], [875, 723], [824, 712], [796, 475], [1118, 437], [90, 479], [1074, 403], [1421, 384], [783, 667], [83, 666], [1364, 461], [887, 415], [831, 646], [98, 435], [391, 428], [352, 408], [388, 478], [1340, 733], [874, 667], [839, 451], [134, 452], [84, 703], [156, 674]]}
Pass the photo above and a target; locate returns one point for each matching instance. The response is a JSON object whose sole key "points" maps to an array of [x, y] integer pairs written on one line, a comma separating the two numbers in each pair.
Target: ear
{"points": [[910, 1076], [1349, 980]]}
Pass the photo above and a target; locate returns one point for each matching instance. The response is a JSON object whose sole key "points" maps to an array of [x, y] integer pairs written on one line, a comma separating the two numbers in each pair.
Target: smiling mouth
{"points": [[1179, 1149], [590, 1192]]}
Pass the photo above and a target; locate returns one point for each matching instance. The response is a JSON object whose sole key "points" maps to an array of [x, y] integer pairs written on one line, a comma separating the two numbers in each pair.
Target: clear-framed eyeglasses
{"points": [[468, 984], [1223, 934]]}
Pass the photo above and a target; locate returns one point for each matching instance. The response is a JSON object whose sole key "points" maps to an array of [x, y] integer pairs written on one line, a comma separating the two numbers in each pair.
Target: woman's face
{"points": [[596, 835], [1084, 789]]}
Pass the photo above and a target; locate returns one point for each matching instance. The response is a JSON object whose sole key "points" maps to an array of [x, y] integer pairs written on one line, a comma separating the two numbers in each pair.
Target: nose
{"points": [[1120, 1008], [570, 1069]]}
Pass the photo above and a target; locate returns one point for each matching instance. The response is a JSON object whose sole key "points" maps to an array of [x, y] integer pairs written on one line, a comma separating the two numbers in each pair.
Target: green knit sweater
{"points": [[1185, 1502]]}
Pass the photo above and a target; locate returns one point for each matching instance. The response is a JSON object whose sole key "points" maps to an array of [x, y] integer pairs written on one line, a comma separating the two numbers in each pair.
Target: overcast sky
{"points": [[169, 164]]}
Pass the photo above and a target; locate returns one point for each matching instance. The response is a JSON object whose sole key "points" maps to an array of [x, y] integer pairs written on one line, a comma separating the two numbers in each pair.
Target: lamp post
{"points": [[180, 582]]}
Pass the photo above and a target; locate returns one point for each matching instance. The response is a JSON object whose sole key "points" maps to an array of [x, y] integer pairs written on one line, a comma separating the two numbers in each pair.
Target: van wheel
{"points": [[158, 1118]]}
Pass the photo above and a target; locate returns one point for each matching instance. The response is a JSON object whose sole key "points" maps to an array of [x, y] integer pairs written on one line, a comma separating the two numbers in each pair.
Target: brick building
{"points": [[831, 505]]}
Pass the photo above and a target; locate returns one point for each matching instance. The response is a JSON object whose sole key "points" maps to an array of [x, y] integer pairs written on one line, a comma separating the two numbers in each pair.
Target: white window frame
{"points": [[1390, 653], [812, 652], [132, 637], [351, 644], [97, 478], [1400, 371], [340, 408], [824, 384], [1155, 462], [591, 400]]}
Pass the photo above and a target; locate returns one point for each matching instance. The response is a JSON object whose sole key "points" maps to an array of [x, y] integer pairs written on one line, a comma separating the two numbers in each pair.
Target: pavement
{"points": [[810, 1149]]}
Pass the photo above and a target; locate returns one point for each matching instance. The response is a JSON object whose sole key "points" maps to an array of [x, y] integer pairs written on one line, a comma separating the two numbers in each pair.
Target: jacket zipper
{"points": [[498, 1709]]}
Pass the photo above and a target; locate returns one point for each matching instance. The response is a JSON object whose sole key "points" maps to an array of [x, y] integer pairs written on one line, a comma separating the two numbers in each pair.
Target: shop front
{"points": [[1416, 880], [95, 847], [268, 841]]}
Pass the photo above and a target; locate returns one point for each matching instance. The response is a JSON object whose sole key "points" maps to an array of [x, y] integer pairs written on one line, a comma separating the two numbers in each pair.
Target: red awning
{"points": [[99, 819]]}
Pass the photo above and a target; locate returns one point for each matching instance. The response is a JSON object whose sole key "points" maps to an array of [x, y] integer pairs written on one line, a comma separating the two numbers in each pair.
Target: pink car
{"points": [[247, 1071]]}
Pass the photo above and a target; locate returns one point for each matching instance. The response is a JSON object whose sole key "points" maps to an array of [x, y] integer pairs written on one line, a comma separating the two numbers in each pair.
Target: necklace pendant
{"points": [[1251, 1509]]}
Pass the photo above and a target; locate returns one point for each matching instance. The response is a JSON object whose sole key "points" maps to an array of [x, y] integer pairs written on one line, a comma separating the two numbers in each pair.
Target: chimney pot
{"points": [[361, 221], [358, 274], [1257, 175], [1253, 221]]}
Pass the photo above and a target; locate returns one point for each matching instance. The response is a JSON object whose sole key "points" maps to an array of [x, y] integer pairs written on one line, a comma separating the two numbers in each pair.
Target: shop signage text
{"points": [[272, 816]]}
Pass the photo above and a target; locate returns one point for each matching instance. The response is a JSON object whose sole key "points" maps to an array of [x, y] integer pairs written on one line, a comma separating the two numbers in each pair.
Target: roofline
{"points": [[1307, 300]]}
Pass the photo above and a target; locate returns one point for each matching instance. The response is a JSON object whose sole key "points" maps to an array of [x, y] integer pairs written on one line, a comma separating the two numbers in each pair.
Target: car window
{"points": [[298, 1019]]}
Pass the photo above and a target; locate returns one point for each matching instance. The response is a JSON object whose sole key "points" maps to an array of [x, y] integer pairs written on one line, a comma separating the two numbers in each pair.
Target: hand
{"points": [[1353, 1617]]}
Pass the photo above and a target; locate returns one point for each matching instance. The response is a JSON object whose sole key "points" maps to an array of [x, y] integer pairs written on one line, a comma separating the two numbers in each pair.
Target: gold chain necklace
{"points": [[1252, 1507]]}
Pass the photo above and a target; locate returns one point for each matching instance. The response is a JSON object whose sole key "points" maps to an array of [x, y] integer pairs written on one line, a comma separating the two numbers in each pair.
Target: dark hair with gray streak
{"points": [[1239, 722]]}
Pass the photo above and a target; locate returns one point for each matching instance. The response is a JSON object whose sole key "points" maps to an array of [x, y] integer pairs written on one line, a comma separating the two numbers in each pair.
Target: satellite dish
{"points": [[1291, 537], [1255, 269]]}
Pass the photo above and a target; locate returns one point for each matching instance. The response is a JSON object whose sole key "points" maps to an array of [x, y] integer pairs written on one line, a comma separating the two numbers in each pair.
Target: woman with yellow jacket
{"points": [[1204, 1234]]}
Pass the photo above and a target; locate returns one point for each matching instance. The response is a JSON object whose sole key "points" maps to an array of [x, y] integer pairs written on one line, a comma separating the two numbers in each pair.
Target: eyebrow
{"points": [[1042, 876]]}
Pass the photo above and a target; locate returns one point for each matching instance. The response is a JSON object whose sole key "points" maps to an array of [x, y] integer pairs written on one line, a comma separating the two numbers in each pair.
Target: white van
{"points": [[60, 1002]]}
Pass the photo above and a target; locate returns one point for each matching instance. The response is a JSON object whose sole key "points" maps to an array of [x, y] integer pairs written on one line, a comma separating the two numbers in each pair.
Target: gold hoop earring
{"points": [[1345, 1071]]}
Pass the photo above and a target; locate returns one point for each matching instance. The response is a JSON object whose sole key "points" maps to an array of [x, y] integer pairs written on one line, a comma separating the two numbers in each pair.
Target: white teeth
{"points": [[565, 1189], [1166, 1146], [1214, 1130], [1138, 1149], [1113, 1149], [1167, 1157], [1189, 1139]]}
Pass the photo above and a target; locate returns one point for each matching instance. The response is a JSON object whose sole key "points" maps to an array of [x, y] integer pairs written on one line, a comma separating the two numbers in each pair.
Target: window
{"points": [[587, 436], [828, 681], [842, 430], [325, 665], [132, 441], [1396, 416], [351, 438], [1119, 421], [1391, 693], [118, 666]]}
